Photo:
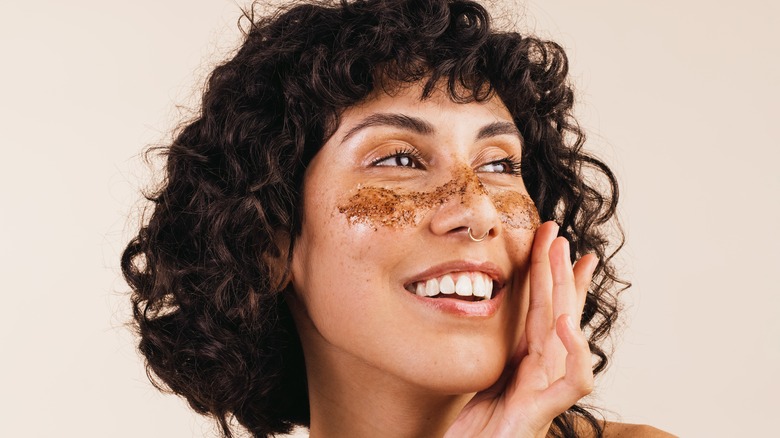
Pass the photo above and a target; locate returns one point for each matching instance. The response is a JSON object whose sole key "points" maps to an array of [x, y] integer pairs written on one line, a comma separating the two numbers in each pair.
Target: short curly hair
{"points": [[213, 323]]}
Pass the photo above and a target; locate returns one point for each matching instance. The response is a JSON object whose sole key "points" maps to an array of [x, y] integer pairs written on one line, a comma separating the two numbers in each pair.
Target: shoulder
{"points": [[624, 430]]}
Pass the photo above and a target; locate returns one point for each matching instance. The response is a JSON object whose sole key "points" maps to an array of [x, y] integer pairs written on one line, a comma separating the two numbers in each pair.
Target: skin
{"points": [[380, 362]]}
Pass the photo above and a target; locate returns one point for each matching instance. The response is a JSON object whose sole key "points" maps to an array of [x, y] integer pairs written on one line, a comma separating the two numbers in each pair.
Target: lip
{"points": [[454, 306], [490, 269]]}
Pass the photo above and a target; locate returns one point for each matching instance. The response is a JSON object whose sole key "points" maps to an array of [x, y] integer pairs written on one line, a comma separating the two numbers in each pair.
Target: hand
{"points": [[551, 369]]}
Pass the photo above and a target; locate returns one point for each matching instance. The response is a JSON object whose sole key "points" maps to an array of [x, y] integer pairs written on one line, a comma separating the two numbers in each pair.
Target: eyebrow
{"points": [[420, 126], [401, 121], [498, 128]]}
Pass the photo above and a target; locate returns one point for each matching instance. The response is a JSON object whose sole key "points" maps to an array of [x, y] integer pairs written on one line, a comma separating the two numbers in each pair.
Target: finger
{"points": [[540, 301], [564, 292], [578, 380], [583, 276]]}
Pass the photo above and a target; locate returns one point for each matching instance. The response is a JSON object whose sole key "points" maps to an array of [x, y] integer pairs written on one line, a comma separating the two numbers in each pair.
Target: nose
{"points": [[466, 209]]}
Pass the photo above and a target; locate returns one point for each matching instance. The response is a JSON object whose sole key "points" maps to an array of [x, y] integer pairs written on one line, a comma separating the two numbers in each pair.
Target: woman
{"points": [[358, 233]]}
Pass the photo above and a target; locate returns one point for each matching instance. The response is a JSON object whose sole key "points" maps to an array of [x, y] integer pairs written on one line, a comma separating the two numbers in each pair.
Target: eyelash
{"points": [[406, 152], [512, 162]]}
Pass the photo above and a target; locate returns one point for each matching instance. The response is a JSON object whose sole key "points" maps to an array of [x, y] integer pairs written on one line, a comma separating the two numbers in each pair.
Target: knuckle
{"points": [[586, 385], [582, 383], [587, 388]]}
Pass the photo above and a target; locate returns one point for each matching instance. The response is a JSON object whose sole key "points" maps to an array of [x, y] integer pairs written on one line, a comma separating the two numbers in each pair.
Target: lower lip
{"points": [[454, 306]]}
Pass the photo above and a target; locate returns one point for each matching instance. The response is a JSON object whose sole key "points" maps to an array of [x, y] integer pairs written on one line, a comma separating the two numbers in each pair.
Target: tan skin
{"points": [[383, 361]]}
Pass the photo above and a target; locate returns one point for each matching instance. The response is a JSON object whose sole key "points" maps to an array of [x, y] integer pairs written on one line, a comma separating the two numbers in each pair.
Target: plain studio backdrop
{"points": [[680, 98]]}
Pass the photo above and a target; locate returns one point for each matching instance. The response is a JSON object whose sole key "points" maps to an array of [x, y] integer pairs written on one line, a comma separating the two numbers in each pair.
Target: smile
{"points": [[468, 286]]}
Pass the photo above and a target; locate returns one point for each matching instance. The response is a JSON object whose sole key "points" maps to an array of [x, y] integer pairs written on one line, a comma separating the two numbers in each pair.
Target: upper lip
{"points": [[488, 268]]}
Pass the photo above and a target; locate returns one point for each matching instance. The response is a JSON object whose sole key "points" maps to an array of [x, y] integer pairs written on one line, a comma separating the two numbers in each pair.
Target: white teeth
{"points": [[431, 287], [467, 284], [447, 286], [479, 286], [463, 287]]}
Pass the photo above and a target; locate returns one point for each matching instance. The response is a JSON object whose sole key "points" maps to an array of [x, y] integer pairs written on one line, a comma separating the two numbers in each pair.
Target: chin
{"points": [[462, 371]]}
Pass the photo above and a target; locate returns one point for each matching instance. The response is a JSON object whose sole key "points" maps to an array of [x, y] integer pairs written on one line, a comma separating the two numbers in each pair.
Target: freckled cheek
{"points": [[357, 242], [362, 241], [518, 245]]}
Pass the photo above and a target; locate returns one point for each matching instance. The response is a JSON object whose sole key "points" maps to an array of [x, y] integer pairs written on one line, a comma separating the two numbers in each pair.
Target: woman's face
{"points": [[386, 278]]}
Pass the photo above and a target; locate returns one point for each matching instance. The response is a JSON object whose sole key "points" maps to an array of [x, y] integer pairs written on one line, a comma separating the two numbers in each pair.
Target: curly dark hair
{"points": [[213, 323]]}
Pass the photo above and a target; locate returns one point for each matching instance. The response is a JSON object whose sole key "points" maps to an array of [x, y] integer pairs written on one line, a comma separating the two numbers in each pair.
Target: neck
{"points": [[349, 397]]}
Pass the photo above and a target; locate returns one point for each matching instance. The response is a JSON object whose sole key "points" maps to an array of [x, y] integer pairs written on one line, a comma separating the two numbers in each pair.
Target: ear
{"points": [[278, 261]]}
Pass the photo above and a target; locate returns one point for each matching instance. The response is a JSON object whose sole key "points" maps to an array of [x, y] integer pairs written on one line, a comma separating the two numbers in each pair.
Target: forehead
{"points": [[438, 107]]}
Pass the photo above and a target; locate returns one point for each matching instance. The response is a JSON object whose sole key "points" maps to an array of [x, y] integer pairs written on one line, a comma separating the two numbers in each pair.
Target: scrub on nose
{"points": [[379, 206]]}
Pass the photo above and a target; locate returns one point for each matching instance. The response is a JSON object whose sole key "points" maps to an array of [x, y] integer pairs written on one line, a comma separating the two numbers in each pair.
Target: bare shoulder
{"points": [[624, 430]]}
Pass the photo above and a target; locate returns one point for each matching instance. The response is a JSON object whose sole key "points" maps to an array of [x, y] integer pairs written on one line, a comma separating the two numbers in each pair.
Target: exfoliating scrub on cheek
{"points": [[379, 206], [517, 210]]}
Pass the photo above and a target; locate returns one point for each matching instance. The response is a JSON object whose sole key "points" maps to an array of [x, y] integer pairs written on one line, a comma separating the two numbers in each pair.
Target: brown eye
{"points": [[397, 160], [507, 165], [400, 159]]}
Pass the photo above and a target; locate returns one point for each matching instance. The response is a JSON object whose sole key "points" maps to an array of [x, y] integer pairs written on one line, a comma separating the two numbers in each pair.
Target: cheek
{"points": [[516, 210], [520, 220], [348, 301], [332, 278], [338, 266], [519, 242]]}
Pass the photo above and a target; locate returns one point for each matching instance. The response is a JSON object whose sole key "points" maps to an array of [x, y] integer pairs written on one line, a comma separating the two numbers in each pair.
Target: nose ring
{"points": [[477, 239]]}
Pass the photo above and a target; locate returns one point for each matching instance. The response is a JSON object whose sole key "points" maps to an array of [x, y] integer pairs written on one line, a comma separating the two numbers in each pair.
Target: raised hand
{"points": [[551, 369]]}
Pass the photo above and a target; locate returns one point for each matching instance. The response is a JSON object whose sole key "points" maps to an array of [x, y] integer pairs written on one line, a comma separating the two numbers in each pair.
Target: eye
{"points": [[400, 158], [509, 165]]}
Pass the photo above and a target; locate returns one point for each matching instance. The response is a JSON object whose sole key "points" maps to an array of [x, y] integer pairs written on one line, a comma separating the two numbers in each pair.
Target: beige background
{"points": [[679, 97]]}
